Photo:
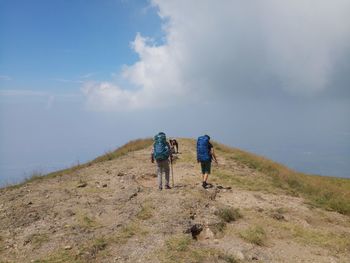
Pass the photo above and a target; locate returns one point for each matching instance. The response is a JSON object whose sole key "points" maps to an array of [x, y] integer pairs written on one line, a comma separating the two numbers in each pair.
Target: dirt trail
{"points": [[113, 212]]}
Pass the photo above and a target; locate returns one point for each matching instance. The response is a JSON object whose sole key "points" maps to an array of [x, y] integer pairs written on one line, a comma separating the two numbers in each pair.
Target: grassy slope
{"points": [[327, 192], [131, 146]]}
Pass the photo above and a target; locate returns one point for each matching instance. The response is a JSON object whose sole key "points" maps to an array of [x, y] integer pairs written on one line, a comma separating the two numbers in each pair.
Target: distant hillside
{"points": [[110, 210]]}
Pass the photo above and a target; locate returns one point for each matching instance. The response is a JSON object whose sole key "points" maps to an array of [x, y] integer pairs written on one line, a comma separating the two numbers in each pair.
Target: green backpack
{"points": [[161, 149]]}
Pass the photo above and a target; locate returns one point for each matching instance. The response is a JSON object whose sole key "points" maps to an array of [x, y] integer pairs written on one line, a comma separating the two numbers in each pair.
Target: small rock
{"points": [[104, 185], [206, 234], [69, 212], [67, 247], [120, 174], [278, 216], [216, 241], [30, 203], [255, 258], [81, 185], [26, 241], [238, 255], [132, 196], [192, 216], [195, 230]]}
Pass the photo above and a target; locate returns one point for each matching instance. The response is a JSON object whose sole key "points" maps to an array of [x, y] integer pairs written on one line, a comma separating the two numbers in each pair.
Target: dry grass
{"points": [[182, 249], [38, 239], [87, 252], [2, 244], [317, 235], [339, 242], [146, 211], [131, 146], [60, 256], [129, 231], [91, 250], [255, 235], [228, 214], [321, 191], [179, 249]]}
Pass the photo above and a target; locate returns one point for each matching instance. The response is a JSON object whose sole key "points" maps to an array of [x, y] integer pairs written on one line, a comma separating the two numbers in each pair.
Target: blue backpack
{"points": [[161, 149], [203, 149]]}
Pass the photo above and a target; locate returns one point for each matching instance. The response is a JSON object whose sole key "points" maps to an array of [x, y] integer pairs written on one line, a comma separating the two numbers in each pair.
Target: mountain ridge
{"points": [[109, 210]]}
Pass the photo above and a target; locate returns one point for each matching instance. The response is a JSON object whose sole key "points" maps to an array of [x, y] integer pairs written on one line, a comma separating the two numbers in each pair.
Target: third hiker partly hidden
{"points": [[162, 154], [205, 154]]}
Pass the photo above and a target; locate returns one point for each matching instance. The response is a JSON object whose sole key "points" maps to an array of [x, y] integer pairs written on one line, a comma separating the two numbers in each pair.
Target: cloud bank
{"points": [[234, 48]]}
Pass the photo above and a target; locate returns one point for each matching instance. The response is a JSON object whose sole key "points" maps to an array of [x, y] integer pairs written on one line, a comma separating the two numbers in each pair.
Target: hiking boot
{"points": [[160, 188], [204, 185], [167, 187]]}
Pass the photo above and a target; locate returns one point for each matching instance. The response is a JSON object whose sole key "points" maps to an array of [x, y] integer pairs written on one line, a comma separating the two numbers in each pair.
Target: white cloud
{"points": [[232, 47]]}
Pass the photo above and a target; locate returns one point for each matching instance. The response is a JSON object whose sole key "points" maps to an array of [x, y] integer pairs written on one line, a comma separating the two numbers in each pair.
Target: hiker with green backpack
{"points": [[205, 154], [162, 154]]}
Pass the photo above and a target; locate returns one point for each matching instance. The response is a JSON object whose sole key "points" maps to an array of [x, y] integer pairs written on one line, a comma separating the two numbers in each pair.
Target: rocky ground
{"points": [[113, 212]]}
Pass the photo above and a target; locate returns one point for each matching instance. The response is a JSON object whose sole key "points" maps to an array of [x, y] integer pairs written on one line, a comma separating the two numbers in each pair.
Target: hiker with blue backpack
{"points": [[205, 154], [162, 154]]}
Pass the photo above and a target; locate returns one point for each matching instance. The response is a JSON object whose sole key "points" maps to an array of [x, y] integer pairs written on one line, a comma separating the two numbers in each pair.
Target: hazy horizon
{"points": [[78, 79]]}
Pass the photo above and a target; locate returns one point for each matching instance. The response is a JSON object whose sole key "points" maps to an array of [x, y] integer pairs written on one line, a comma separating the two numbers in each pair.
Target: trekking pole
{"points": [[172, 171]]}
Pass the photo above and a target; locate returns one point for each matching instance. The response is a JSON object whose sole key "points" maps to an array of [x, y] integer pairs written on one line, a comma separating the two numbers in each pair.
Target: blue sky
{"points": [[79, 78], [45, 43]]}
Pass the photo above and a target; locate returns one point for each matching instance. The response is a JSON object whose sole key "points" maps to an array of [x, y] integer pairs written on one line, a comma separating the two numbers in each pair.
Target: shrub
{"points": [[255, 235], [228, 214]]}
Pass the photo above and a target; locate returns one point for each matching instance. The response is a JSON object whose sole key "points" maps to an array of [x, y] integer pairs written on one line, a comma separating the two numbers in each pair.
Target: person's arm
{"points": [[152, 157], [213, 155]]}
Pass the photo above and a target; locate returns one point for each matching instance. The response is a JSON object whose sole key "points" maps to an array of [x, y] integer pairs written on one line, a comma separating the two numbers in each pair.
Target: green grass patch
{"points": [[255, 235], [228, 214]]}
